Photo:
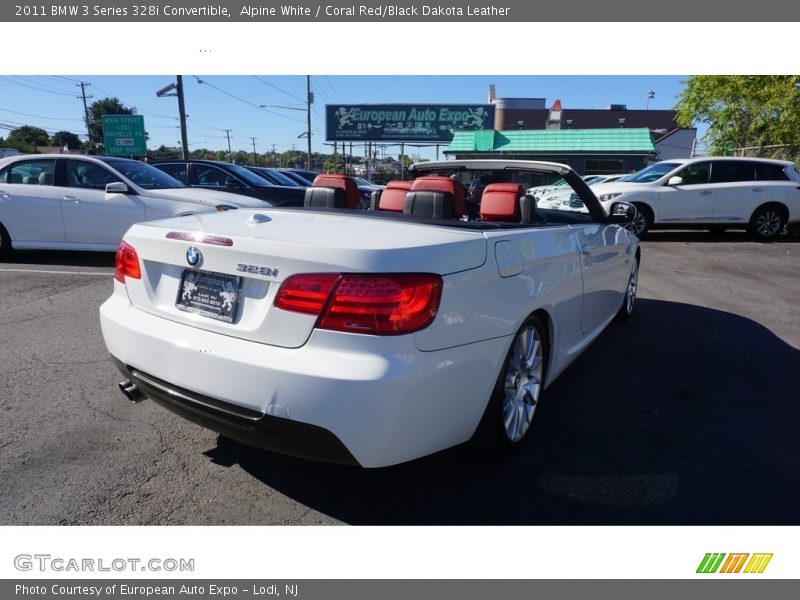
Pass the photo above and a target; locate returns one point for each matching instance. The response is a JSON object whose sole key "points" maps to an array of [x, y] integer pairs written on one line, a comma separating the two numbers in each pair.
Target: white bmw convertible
{"points": [[371, 337]]}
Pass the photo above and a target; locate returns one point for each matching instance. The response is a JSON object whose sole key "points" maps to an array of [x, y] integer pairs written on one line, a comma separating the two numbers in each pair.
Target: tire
{"points": [[628, 302], [5, 242], [643, 221], [767, 222], [508, 419]]}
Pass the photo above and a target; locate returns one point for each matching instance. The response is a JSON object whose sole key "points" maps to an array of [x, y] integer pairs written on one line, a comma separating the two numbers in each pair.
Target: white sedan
{"points": [[566, 198], [371, 337], [74, 202]]}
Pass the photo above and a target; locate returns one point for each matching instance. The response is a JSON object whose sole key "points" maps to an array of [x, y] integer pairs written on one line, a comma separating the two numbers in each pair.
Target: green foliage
{"points": [[26, 138], [744, 113], [67, 138]]}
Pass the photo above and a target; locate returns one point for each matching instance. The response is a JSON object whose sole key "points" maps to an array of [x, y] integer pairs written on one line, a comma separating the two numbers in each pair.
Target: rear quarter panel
{"points": [[526, 269]]}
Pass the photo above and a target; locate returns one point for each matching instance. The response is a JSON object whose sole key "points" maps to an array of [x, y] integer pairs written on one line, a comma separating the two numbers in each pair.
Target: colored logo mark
{"points": [[734, 563]]}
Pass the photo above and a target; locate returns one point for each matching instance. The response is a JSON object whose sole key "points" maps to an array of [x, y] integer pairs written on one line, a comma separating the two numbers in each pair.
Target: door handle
{"points": [[586, 249], [757, 189], [705, 192], [75, 199], [3, 194]]}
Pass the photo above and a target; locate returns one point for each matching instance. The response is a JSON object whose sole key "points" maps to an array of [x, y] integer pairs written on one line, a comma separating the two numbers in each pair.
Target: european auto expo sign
{"points": [[404, 122]]}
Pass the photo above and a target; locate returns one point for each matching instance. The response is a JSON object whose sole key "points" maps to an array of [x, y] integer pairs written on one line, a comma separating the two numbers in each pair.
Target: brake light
{"points": [[376, 304], [127, 263], [306, 293]]}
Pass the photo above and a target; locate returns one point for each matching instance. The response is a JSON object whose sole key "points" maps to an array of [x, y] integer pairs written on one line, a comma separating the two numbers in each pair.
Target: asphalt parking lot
{"points": [[688, 414]]}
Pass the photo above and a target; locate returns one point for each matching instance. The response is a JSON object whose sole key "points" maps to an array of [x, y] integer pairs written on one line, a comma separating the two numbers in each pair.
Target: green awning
{"points": [[636, 140]]}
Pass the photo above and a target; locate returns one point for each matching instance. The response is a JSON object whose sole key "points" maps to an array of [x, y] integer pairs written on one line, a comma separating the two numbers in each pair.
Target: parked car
{"points": [[227, 177], [295, 176], [365, 190], [717, 193], [304, 173], [559, 185], [566, 199], [371, 337], [276, 177], [74, 202]]}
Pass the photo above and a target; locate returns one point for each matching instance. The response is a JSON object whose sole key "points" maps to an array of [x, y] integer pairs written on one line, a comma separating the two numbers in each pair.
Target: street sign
{"points": [[123, 135]]}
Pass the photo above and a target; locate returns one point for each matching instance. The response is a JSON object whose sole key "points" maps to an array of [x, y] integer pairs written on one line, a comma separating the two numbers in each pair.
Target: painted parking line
{"points": [[106, 274]]}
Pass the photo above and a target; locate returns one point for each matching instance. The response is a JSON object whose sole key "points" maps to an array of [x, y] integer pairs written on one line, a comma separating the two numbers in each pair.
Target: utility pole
{"points": [[228, 133], [182, 114], [274, 159], [178, 89], [309, 102], [255, 160], [83, 95]]}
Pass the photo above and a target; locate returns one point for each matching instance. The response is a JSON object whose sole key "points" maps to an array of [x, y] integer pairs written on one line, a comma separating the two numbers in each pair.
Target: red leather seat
{"points": [[500, 202], [393, 197], [343, 182], [436, 183]]}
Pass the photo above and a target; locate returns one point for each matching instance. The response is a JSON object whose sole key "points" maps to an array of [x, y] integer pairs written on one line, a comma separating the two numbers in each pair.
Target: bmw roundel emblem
{"points": [[193, 256]]}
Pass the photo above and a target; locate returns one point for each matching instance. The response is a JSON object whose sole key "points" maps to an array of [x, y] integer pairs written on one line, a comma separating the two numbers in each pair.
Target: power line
{"points": [[36, 88], [328, 81], [40, 116], [264, 81], [41, 84], [240, 99], [65, 78], [11, 125]]}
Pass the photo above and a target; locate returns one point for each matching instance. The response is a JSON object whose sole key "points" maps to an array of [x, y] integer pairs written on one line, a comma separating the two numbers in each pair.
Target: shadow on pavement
{"points": [[684, 415], [703, 236]]}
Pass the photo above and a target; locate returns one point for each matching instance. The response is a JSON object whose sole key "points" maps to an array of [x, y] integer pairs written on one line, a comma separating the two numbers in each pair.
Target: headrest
{"points": [[393, 198], [425, 203], [436, 183], [324, 197], [500, 202], [343, 182]]}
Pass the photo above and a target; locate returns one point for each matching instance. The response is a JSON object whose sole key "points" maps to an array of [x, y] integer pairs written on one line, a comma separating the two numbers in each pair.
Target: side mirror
{"points": [[675, 180], [117, 187], [621, 213]]}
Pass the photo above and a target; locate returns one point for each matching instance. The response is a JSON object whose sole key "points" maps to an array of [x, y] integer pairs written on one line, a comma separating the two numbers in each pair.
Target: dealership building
{"points": [[591, 141]]}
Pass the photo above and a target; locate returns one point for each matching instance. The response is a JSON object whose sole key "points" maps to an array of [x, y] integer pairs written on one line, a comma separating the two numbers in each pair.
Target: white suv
{"points": [[711, 192]]}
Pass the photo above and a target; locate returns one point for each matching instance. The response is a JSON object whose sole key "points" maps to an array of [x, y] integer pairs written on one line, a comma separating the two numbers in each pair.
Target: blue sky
{"points": [[232, 102]]}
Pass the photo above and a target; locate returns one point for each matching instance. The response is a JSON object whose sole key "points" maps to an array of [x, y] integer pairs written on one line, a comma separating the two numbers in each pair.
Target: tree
{"points": [[746, 114], [26, 138], [105, 106], [65, 138]]}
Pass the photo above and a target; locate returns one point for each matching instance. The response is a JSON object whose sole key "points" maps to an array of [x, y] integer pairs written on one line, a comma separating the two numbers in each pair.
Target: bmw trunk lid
{"points": [[221, 271]]}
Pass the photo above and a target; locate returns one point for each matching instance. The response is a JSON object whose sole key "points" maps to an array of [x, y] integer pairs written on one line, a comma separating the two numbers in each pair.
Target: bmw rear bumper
{"points": [[374, 401]]}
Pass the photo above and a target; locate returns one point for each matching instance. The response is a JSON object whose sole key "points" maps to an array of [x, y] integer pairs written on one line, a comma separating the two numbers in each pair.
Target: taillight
{"points": [[375, 304], [127, 263], [306, 293]]}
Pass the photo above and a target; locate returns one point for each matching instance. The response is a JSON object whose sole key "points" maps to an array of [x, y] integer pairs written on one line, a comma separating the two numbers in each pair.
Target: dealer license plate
{"points": [[213, 295]]}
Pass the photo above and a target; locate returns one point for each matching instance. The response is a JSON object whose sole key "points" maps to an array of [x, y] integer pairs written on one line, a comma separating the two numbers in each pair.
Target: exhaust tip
{"points": [[131, 392]]}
